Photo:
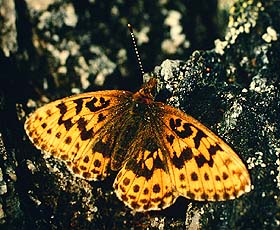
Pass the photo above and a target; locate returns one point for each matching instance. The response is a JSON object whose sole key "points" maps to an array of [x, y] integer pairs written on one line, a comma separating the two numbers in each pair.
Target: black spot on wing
{"points": [[170, 139], [81, 124], [101, 117], [103, 104], [150, 144], [158, 164], [197, 139], [156, 188], [68, 140], [174, 124], [139, 168], [225, 175], [136, 188], [201, 160], [185, 155], [190, 195], [49, 112], [63, 109], [86, 159], [206, 176], [79, 105], [85, 134], [68, 124], [194, 176], [204, 196], [182, 177], [97, 163], [58, 135], [103, 148], [146, 191], [214, 149]]}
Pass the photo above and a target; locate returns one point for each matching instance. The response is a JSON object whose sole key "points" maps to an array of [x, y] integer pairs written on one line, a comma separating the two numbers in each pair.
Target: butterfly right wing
{"points": [[202, 166], [78, 130]]}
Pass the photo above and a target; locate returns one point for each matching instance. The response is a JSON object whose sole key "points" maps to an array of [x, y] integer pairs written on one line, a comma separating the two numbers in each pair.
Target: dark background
{"points": [[234, 90]]}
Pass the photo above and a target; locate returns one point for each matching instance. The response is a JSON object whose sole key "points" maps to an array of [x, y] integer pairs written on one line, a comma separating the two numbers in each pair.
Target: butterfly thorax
{"points": [[144, 98]]}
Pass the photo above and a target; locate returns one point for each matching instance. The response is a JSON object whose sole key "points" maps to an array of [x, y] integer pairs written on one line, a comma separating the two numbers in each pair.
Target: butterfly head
{"points": [[147, 93]]}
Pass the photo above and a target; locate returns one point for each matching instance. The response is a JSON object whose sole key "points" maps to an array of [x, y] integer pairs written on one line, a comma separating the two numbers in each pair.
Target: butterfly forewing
{"points": [[78, 130]]}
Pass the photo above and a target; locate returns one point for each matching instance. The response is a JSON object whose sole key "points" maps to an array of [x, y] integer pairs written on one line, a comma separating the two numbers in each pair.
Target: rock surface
{"points": [[58, 48]]}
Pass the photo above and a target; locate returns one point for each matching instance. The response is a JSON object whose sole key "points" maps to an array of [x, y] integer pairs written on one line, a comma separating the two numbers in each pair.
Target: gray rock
{"points": [[58, 48]]}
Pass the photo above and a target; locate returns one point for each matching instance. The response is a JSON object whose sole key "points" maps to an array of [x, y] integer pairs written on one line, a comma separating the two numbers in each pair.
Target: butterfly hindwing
{"points": [[77, 130], [144, 183]]}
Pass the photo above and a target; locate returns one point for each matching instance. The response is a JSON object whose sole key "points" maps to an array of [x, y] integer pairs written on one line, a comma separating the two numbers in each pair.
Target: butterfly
{"points": [[160, 152]]}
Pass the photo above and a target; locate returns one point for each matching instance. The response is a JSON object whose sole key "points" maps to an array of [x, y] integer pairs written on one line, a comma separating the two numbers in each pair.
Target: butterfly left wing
{"points": [[201, 165], [78, 130]]}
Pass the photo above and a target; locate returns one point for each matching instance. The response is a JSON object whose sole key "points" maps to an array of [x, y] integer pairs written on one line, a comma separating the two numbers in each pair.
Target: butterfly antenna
{"points": [[135, 48]]}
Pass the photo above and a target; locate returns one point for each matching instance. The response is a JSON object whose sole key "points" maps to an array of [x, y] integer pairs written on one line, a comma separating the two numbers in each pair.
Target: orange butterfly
{"points": [[161, 153]]}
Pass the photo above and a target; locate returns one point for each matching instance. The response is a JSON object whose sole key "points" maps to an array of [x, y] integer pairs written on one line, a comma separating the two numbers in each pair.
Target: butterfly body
{"points": [[159, 151]]}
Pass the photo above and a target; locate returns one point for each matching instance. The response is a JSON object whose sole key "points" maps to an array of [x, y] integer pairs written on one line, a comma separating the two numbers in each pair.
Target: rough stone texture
{"points": [[62, 47]]}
